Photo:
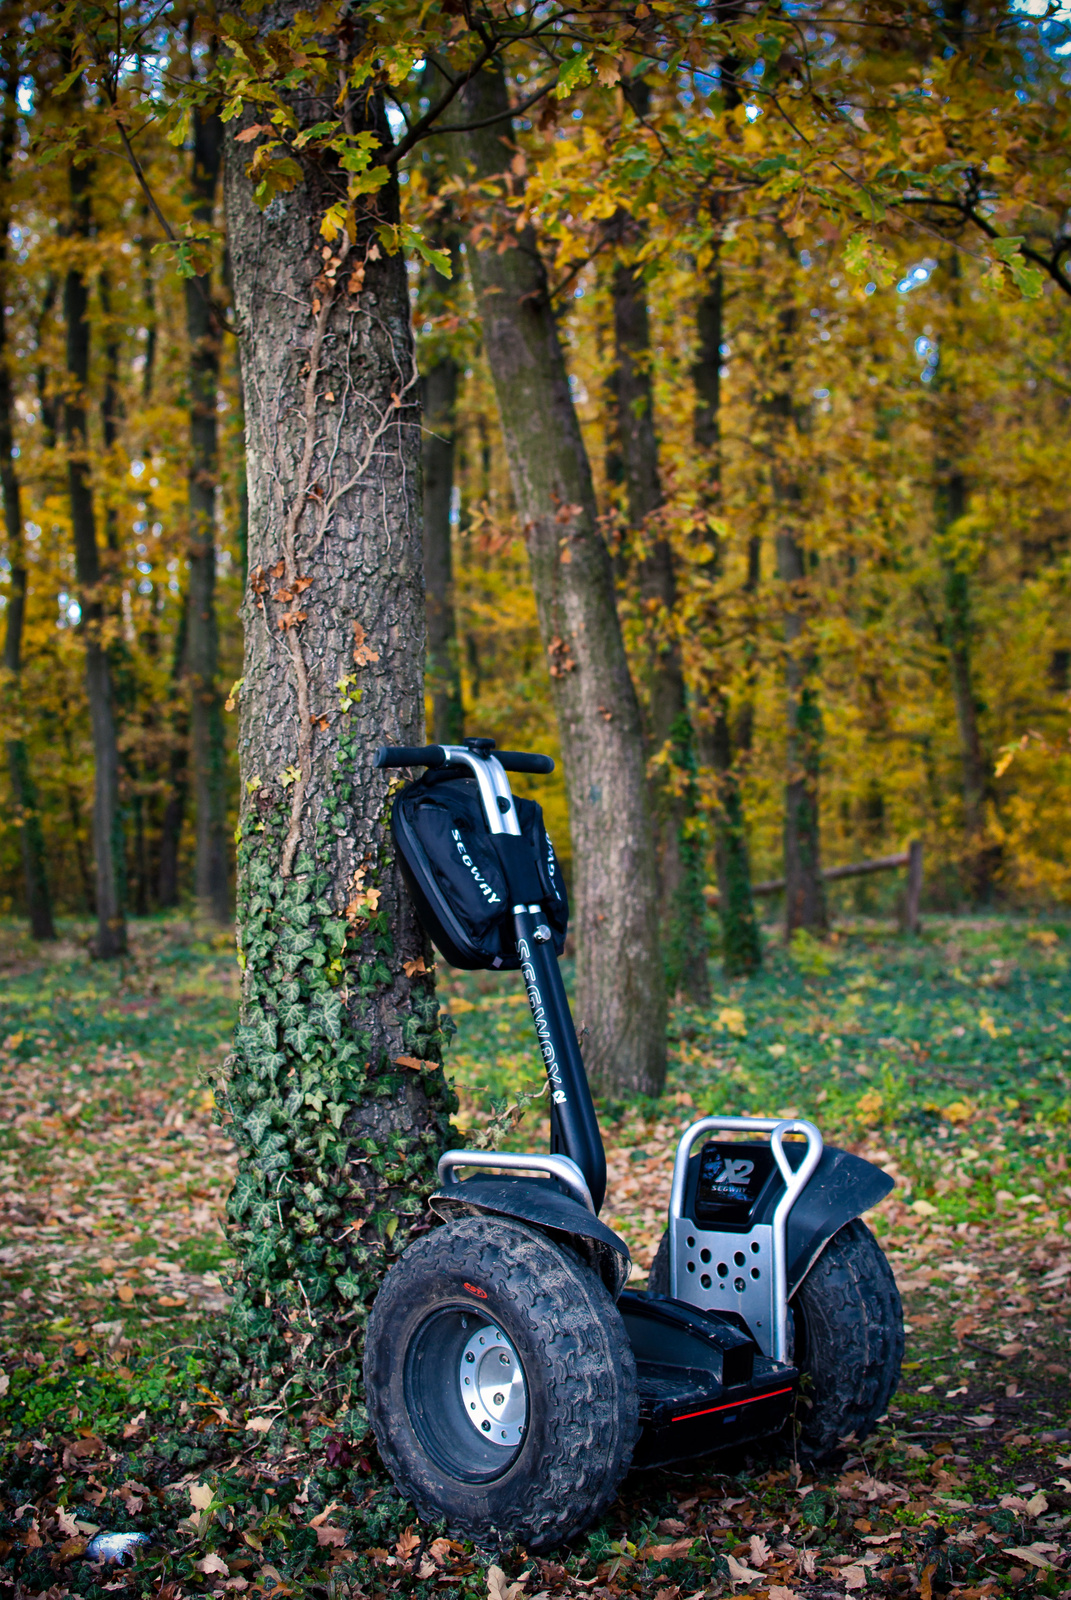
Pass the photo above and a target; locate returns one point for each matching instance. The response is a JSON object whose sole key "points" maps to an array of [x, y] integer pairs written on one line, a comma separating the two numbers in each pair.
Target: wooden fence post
{"points": [[909, 916]]}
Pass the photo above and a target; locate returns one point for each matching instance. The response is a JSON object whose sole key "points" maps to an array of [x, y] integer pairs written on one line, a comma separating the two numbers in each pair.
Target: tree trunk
{"points": [[23, 793], [674, 792], [174, 812], [980, 856], [340, 1107], [620, 980], [443, 679], [207, 755], [107, 811], [805, 895], [741, 944]]}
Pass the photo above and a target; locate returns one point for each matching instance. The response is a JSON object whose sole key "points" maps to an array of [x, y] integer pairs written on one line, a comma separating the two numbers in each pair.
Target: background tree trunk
{"points": [[23, 793], [674, 792], [980, 855], [741, 945], [440, 384], [174, 812], [107, 811], [620, 982], [207, 755], [805, 895], [340, 1109]]}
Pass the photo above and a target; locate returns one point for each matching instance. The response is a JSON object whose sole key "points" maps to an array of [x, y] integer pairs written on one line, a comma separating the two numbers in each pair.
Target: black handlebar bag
{"points": [[466, 880]]}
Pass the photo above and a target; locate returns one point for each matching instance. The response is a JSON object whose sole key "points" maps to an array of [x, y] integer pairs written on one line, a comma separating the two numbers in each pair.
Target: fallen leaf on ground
{"points": [[407, 1543], [738, 1573], [327, 1535], [498, 1588], [212, 1563], [667, 1552]]}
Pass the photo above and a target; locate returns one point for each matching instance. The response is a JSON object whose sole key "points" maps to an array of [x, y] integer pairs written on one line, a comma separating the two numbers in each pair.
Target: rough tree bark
{"points": [[674, 793], [23, 792], [338, 1103], [740, 941], [439, 384], [107, 807], [620, 980], [207, 756]]}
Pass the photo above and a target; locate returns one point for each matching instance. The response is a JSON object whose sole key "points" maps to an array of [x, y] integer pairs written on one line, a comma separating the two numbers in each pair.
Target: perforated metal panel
{"points": [[727, 1272]]}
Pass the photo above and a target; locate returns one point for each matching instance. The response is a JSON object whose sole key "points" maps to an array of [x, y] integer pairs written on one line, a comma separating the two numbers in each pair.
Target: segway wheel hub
{"points": [[493, 1388]]}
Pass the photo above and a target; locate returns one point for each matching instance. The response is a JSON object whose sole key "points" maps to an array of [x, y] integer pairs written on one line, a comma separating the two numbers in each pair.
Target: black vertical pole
{"points": [[574, 1126]]}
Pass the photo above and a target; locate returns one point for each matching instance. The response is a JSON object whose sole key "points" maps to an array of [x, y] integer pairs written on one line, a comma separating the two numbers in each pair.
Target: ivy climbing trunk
{"points": [[107, 807], [741, 945], [621, 996], [674, 790], [207, 755], [335, 1088], [23, 792]]}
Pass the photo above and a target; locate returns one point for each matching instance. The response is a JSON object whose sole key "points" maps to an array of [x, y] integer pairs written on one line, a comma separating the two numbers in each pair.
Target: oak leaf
{"points": [[212, 1563], [407, 1543], [327, 1535]]}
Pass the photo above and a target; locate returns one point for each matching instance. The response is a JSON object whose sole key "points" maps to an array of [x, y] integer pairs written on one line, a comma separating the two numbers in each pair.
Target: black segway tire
{"points": [[847, 1329], [501, 1386], [848, 1341]]}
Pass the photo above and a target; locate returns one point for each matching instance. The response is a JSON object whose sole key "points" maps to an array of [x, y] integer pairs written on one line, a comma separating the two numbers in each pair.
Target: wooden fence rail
{"points": [[911, 858]]}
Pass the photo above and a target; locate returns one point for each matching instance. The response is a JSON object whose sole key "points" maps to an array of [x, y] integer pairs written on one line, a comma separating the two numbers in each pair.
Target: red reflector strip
{"points": [[734, 1405]]}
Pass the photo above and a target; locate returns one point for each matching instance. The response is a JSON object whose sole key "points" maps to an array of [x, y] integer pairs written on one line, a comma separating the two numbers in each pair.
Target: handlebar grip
{"points": [[518, 761], [401, 755]]}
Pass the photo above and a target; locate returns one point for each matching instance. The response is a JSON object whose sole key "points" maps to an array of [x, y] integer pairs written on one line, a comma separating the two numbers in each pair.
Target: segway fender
{"points": [[842, 1188], [542, 1204]]}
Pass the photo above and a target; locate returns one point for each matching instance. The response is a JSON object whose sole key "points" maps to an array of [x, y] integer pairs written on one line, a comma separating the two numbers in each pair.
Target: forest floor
{"points": [[946, 1058]]}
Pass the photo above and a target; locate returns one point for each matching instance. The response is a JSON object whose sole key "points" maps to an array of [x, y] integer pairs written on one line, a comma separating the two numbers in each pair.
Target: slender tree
{"points": [[207, 756], [23, 792], [339, 1105], [957, 560], [439, 388], [669, 727], [107, 805], [740, 941], [805, 895], [620, 981]]}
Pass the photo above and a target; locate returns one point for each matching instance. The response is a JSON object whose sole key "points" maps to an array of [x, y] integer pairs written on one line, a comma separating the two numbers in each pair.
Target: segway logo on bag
{"points": [[481, 882], [481, 1294], [542, 1026]]}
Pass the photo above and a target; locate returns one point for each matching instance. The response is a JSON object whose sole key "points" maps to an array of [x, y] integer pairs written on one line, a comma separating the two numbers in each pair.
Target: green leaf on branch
{"points": [[864, 257], [574, 75]]}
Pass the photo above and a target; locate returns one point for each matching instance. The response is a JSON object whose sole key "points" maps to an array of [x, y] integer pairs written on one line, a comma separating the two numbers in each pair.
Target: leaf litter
{"points": [[115, 1180]]}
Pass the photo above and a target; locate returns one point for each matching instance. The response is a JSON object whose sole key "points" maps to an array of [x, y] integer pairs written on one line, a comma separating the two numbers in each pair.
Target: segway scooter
{"points": [[511, 1378]]}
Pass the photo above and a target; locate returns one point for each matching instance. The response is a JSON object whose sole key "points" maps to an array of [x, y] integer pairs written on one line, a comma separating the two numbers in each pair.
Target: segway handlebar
{"points": [[436, 755], [517, 761], [403, 755]]}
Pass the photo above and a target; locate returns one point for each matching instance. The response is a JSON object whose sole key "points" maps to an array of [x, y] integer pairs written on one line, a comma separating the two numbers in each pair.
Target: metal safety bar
{"points": [[795, 1183], [563, 1168]]}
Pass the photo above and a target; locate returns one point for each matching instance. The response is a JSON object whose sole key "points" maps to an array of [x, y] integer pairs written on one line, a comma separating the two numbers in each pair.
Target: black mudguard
{"points": [[541, 1203], [842, 1188]]}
